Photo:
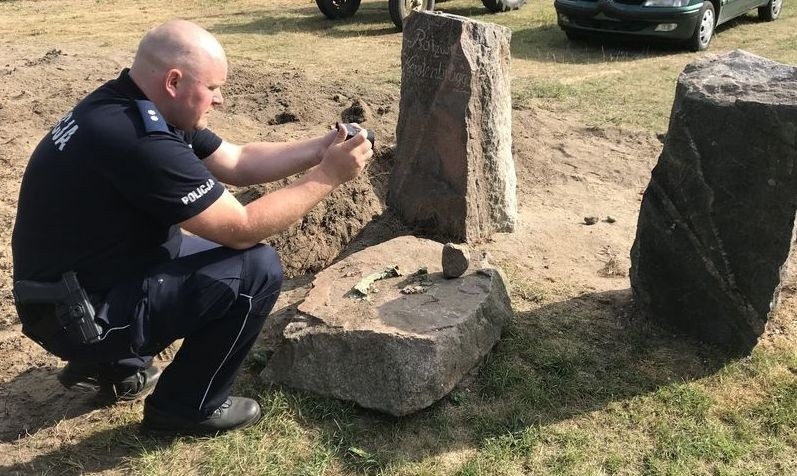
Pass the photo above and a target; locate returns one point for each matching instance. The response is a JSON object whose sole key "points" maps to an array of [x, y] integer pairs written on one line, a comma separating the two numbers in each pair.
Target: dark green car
{"points": [[690, 22]]}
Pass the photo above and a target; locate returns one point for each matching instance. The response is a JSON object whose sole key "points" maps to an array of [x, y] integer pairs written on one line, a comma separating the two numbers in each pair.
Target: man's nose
{"points": [[218, 99]]}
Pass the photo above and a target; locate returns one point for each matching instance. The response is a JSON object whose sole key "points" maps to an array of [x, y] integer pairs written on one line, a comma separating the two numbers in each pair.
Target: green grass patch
{"points": [[777, 413]]}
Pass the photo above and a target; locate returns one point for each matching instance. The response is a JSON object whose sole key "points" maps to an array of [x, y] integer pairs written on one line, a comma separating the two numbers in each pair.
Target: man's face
{"points": [[198, 94]]}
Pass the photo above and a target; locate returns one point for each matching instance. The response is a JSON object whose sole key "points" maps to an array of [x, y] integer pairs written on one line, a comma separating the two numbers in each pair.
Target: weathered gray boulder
{"points": [[716, 223], [391, 343], [454, 173]]}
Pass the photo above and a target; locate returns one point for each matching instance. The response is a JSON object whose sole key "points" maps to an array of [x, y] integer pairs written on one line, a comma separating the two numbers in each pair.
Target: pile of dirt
{"points": [[254, 98]]}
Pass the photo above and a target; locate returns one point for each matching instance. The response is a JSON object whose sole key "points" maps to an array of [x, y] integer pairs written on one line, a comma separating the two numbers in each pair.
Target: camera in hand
{"points": [[352, 131]]}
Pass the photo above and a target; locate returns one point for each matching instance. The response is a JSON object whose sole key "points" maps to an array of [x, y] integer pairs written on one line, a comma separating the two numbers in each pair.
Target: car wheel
{"points": [[496, 6], [399, 9], [770, 11], [704, 31], [334, 9]]}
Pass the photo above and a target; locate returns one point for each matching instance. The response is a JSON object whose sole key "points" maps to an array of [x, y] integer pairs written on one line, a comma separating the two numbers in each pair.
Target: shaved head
{"points": [[177, 44], [181, 67]]}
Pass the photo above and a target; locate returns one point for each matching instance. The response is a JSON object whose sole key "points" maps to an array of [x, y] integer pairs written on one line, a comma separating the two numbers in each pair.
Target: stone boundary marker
{"points": [[385, 329], [716, 224], [454, 173]]}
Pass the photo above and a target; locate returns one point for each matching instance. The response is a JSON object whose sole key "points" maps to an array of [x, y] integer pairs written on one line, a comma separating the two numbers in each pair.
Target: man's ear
{"points": [[172, 81]]}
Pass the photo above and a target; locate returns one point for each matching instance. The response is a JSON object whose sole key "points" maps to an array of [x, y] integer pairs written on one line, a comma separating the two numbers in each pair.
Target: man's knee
{"points": [[262, 273]]}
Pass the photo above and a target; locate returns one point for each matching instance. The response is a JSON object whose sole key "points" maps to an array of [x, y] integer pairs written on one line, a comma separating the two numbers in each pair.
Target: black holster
{"points": [[47, 309]]}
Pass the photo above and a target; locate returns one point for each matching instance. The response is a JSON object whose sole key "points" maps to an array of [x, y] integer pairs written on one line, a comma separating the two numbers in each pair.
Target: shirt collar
{"points": [[125, 84]]}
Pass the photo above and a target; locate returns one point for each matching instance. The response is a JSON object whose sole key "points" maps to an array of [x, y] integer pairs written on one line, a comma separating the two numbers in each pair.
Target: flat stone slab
{"points": [[404, 343]]}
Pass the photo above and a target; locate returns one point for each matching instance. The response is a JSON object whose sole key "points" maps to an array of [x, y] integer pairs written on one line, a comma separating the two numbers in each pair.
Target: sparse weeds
{"points": [[521, 286], [613, 267], [530, 292]]}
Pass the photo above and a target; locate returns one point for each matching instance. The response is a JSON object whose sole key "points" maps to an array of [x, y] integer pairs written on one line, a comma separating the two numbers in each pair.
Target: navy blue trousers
{"points": [[216, 299]]}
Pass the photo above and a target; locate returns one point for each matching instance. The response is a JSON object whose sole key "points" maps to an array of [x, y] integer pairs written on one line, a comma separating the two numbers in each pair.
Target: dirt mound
{"points": [[297, 107]]}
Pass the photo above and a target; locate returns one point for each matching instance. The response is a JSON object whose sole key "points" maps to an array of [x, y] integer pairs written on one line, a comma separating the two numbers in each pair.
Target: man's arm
{"points": [[261, 162], [231, 224]]}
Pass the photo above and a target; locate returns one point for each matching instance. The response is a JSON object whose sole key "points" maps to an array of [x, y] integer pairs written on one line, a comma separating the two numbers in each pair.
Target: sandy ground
{"points": [[566, 171]]}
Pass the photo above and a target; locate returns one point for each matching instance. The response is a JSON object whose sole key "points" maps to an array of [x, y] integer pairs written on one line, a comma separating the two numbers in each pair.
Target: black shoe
{"points": [[236, 412], [87, 376], [129, 388], [80, 376]]}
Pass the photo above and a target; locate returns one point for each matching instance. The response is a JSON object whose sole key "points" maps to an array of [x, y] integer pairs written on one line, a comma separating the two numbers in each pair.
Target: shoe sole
{"points": [[83, 387], [107, 398], [78, 382], [171, 432]]}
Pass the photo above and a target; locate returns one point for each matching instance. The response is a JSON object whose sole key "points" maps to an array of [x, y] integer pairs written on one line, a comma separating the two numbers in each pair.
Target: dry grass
{"points": [[614, 266], [624, 84]]}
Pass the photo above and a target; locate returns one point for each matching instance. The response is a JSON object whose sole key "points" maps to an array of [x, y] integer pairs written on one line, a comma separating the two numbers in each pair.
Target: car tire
{"points": [[770, 11], [496, 6], [399, 9], [334, 9], [704, 31]]}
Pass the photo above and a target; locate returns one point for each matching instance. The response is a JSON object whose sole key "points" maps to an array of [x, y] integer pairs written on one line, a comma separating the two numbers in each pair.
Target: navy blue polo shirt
{"points": [[105, 189]]}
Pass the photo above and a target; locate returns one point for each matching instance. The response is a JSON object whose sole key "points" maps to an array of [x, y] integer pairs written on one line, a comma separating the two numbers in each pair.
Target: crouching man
{"points": [[105, 277]]}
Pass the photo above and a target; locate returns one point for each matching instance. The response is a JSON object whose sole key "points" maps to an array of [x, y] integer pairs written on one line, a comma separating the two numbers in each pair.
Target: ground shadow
{"points": [[384, 227], [297, 282], [548, 43], [312, 20], [34, 400], [476, 8], [556, 361], [583, 353], [102, 451], [553, 363]]}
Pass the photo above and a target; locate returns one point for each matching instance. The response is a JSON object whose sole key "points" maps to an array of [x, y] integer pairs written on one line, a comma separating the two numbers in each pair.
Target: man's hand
{"points": [[326, 141], [231, 224], [345, 159]]}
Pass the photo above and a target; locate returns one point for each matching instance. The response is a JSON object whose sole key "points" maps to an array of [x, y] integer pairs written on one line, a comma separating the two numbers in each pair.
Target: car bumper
{"points": [[607, 16]]}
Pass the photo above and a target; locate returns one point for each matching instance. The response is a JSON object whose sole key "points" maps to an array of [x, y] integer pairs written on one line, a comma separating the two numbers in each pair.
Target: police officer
{"points": [[107, 193]]}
